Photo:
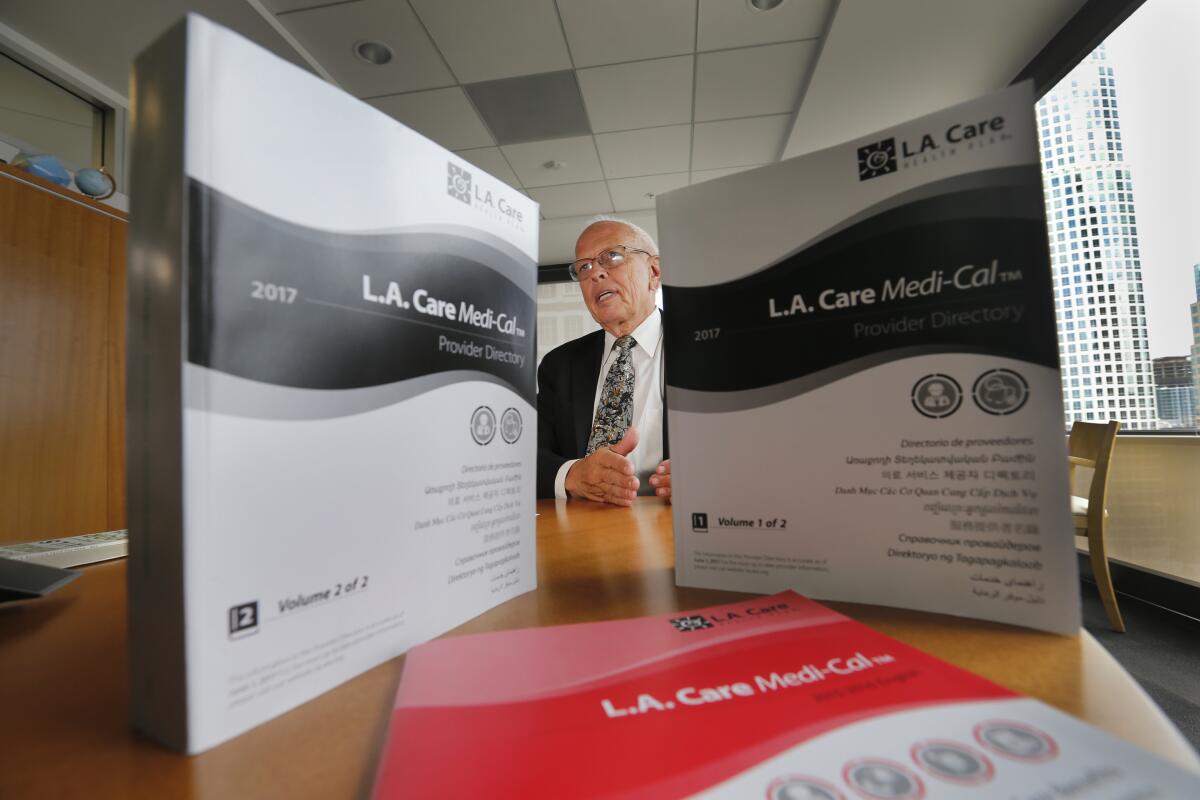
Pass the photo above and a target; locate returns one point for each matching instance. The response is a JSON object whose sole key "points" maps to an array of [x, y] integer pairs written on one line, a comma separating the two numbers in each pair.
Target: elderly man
{"points": [[601, 422]]}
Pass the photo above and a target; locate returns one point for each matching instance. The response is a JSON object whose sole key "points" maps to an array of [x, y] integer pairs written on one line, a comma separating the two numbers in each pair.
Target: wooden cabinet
{"points": [[62, 361]]}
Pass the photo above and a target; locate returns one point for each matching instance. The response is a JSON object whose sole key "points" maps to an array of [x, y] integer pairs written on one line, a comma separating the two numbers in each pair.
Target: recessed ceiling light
{"points": [[764, 5], [373, 52]]}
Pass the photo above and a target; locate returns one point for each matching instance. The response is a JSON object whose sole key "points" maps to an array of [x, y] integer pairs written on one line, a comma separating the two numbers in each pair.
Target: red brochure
{"points": [[777, 697]]}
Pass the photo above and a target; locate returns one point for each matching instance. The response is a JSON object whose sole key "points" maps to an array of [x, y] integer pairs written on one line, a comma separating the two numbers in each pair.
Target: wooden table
{"points": [[64, 685]]}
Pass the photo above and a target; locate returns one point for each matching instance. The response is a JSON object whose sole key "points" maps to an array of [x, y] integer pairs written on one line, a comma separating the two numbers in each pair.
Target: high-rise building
{"points": [[1196, 348], [1098, 297], [1175, 391]]}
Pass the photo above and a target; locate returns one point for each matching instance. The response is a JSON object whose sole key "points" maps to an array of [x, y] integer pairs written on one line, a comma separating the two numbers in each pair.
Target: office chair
{"points": [[1090, 445]]}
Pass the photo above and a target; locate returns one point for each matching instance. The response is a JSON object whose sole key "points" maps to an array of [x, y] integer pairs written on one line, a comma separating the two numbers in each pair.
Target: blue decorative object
{"points": [[95, 183], [45, 166]]}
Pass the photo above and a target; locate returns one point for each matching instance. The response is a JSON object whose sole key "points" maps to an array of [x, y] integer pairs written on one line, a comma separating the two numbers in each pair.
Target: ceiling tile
{"points": [[751, 81], [630, 194], [573, 199], [734, 24], [738, 142], [556, 239], [486, 40], [612, 31], [646, 152], [702, 175], [491, 160], [443, 115], [577, 155], [638, 95], [531, 108], [329, 34]]}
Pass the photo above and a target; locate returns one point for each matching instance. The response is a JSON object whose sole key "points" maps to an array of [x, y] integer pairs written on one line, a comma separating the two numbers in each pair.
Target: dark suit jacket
{"points": [[565, 402]]}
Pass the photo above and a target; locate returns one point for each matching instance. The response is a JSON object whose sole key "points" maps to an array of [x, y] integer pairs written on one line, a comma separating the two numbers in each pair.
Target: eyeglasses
{"points": [[612, 258]]}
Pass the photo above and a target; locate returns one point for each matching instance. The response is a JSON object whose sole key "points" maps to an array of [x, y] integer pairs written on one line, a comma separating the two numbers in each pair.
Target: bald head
{"points": [[631, 234]]}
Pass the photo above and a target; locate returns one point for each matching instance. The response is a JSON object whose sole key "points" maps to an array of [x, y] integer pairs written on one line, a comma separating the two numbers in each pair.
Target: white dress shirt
{"points": [[648, 388]]}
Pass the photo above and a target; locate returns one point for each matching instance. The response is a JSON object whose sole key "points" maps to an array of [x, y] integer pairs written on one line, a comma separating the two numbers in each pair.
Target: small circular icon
{"points": [[1000, 391], [937, 396], [802, 787], [1016, 740], [877, 160], [460, 184], [483, 425], [510, 425], [953, 762], [876, 778]]}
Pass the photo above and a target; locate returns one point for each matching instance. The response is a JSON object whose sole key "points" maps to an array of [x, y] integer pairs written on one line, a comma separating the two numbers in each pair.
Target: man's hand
{"points": [[661, 480], [606, 476]]}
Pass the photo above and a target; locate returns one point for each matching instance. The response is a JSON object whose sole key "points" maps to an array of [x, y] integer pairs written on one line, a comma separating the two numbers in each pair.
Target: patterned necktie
{"points": [[614, 413]]}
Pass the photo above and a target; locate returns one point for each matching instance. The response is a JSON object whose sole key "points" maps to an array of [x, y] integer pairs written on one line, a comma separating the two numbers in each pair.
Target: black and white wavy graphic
{"points": [[969, 220], [329, 337], [240, 397]]}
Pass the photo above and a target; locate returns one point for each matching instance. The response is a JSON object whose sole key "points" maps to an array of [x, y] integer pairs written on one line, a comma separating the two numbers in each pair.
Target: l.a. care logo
{"points": [[698, 622], [481, 198], [877, 159], [888, 155], [458, 183]]}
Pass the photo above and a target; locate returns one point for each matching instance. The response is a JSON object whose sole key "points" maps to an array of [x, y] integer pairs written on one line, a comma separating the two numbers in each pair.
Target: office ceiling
{"points": [[596, 106]]}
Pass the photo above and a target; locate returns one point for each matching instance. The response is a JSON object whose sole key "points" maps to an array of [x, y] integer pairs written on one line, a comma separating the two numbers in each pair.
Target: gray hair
{"points": [[638, 231]]}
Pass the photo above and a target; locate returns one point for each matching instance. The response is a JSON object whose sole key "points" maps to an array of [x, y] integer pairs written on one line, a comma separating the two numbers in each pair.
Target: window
{"points": [[1147, 334], [39, 115]]}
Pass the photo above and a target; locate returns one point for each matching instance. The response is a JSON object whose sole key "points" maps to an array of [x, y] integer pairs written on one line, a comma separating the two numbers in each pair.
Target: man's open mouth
{"points": [[604, 295]]}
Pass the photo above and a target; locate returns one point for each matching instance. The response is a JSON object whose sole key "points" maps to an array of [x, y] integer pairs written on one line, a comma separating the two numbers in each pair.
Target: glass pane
{"points": [[38, 114], [1119, 171]]}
